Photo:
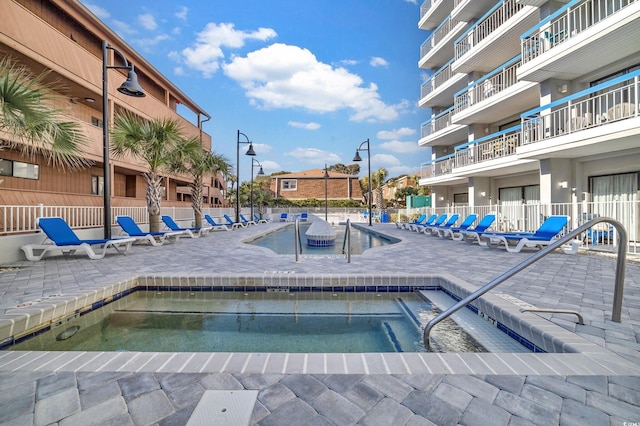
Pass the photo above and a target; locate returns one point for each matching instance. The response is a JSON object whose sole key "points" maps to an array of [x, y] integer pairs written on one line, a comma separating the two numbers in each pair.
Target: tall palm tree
{"points": [[30, 124], [191, 158], [153, 141], [377, 180]]}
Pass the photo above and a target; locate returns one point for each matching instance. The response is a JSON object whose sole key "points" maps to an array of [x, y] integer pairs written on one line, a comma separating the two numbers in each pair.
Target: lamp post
{"points": [[357, 158], [260, 173], [130, 88], [249, 152], [326, 199]]}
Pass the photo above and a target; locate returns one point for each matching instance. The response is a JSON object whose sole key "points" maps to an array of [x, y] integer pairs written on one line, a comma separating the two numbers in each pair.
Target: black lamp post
{"points": [[130, 88], [357, 158], [326, 190], [260, 173], [250, 152]]}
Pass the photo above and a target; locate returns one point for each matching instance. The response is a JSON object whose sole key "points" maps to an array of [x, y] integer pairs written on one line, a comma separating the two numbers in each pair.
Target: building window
{"points": [[289, 185], [96, 122], [462, 198], [19, 169], [97, 185]]}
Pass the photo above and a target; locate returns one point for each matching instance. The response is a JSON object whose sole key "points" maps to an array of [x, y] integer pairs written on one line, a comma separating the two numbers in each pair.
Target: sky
{"points": [[307, 81]]}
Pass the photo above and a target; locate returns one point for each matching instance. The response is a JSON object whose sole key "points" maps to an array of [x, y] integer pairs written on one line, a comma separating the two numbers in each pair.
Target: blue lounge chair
{"points": [[192, 232], [257, 219], [131, 229], [233, 224], [544, 236], [448, 231], [284, 217], [433, 230], [60, 237], [405, 225], [245, 221], [473, 234], [304, 217], [214, 225], [429, 221]]}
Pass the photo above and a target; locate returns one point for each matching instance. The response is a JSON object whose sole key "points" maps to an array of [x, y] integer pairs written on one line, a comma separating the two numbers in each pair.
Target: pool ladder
{"points": [[346, 243], [618, 286]]}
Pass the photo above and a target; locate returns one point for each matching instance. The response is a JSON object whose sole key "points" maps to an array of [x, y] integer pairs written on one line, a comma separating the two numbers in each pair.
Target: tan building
{"points": [[65, 38], [311, 184]]}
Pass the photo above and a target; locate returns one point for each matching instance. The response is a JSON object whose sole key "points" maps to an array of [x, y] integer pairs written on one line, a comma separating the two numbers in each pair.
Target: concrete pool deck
{"points": [[44, 388]]}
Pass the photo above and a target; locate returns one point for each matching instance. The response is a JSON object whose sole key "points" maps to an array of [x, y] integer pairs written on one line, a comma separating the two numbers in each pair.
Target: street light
{"points": [[357, 158], [326, 200], [260, 173], [130, 88], [250, 152]]}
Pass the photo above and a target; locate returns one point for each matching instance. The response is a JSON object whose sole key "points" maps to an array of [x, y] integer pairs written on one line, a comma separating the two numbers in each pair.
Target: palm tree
{"points": [[377, 180], [153, 141], [30, 124], [191, 158]]}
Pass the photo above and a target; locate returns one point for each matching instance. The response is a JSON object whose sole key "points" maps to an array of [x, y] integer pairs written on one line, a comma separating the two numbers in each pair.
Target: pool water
{"points": [[282, 241], [309, 322]]}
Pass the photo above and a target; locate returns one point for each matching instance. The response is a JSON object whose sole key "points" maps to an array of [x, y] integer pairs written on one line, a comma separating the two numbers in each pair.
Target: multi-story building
{"points": [[64, 38], [312, 184], [533, 103]]}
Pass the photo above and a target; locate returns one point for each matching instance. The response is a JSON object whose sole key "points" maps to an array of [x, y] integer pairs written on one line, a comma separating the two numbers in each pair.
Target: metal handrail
{"points": [[297, 242], [619, 279], [346, 243]]}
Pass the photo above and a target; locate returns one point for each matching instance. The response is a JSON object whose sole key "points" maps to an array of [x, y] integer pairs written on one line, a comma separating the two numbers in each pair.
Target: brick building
{"points": [[311, 184]]}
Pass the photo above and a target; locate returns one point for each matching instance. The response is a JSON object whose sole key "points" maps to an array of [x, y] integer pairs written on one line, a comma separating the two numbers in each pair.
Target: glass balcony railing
{"points": [[487, 86], [567, 22], [611, 101], [487, 24]]}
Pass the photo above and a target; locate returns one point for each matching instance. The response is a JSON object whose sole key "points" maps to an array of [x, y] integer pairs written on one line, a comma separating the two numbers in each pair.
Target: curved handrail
{"points": [[346, 243], [297, 242], [619, 280]]}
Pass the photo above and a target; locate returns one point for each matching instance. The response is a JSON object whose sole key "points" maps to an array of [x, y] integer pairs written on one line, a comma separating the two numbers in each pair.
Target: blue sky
{"points": [[306, 81]]}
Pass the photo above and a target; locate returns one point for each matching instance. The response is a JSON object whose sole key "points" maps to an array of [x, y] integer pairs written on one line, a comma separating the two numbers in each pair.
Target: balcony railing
{"points": [[437, 79], [439, 122], [439, 167], [438, 35], [425, 7], [487, 24], [611, 101], [495, 146], [489, 85], [567, 22]]}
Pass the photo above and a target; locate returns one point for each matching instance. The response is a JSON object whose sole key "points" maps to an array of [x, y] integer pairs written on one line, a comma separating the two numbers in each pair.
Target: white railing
{"points": [[502, 145], [486, 26], [437, 79], [424, 8], [438, 35], [442, 121], [487, 87], [529, 217], [571, 20]]}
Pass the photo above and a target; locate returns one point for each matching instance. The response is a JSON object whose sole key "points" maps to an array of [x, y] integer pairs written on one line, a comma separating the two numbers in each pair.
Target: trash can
{"points": [[384, 217]]}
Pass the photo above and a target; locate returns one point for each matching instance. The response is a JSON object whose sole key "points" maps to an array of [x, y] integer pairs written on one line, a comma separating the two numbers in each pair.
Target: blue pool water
{"points": [[320, 322], [282, 241]]}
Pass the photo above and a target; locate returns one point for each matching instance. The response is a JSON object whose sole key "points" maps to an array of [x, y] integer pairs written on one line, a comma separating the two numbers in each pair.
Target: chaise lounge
{"points": [[60, 237], [131, 229], [447, 232], [215, 226], [473, 234], [192, 232]]}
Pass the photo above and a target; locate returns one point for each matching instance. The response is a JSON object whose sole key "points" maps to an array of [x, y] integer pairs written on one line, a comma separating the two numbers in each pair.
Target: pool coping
{"points": [[579, 356]]}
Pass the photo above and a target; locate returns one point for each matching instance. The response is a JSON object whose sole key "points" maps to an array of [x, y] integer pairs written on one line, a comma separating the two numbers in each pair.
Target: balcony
{"points": [[494, 39], [495, 96], [599, 120], [564, 45], [438, 48], [441, 87], [440, 132], [433, 12], [470, 10], [440, 171]]}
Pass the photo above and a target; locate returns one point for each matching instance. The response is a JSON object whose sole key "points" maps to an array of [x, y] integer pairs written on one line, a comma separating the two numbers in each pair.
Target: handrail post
{"points": [[616, 313], [348, 241], [296, 239]]}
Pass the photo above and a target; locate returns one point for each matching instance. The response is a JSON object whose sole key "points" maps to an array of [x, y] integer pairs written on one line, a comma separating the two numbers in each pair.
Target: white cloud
{"points": [[314, 156], [271, 166], [123, 27], [384, 160], [182, 13], [412, 1], [401, 147], [179, 71], [349, 62], [146, 43], [98, 11], [377, 61], [206, 53], [285, 76], [306, 126], [395, 133], [147, 21], [261, 148]]}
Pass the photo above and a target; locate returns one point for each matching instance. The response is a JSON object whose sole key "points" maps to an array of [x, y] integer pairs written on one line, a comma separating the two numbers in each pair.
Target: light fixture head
{"points": [[89, 100], [260, 172], [250, 151], [131, 87], [357, 156]]}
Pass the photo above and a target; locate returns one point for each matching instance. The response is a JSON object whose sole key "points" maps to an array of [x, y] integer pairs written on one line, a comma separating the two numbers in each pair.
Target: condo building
{"points": [[63, 38], [533, 109]]}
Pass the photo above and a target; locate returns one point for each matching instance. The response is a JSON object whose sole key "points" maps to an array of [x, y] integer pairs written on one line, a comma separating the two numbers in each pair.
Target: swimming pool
{"points": [[282, 240]]}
